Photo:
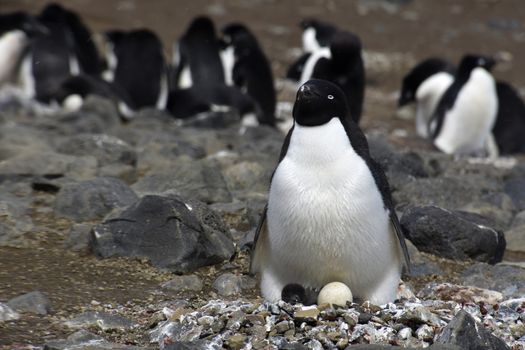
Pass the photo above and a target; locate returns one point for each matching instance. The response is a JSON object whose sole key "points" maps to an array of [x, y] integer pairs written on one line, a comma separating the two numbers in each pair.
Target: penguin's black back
{"points": [[252, 71], [140, 65], [509, 129], [199, 48]]}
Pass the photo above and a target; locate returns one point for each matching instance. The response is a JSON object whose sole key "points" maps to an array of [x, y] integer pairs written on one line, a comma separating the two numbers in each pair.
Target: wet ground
{"points": [[402, 31]]}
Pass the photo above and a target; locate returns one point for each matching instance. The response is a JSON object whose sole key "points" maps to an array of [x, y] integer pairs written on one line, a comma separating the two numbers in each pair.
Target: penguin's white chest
{"points": [[12, 45], [310, 63], [428, 95], [228, 61], [326, 218], [467, 126], [310, 43]]}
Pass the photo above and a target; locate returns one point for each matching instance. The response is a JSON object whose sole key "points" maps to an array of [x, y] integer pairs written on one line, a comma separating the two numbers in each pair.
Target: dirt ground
{"points": [[415, 29]]}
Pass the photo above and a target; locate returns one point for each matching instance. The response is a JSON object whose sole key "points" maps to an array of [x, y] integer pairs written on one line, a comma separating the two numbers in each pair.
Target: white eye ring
{"points": [[330, 97]]}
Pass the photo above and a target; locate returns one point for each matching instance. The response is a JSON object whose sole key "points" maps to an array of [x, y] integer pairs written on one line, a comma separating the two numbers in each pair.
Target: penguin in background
{"points": [[425, 84], [316, 35], [66, 50], [329, 215], [250, 70], [466, 114], [17, 29], [137, 66], [196, 56]]}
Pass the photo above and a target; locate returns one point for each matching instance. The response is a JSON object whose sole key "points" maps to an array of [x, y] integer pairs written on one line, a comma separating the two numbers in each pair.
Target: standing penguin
{"points": [[425, 84], [250, 71], [329, 216], [343, 65], [466, 114], [16, 31], [137, 66], [196, 56], [316, 35]]}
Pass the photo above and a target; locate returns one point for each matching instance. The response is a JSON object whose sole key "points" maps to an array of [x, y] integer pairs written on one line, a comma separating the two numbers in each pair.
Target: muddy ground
{"points": [[405, 30]]}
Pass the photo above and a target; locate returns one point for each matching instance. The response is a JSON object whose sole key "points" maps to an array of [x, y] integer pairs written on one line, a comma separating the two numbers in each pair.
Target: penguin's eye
{"points": [[330, 97]]}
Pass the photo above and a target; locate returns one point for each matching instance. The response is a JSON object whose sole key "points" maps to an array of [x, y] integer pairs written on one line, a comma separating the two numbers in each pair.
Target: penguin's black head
{"points": [[317, 102], [203, 26], [469, 62], [419, 74], [22, 21], [236, 32], [345, 46]]}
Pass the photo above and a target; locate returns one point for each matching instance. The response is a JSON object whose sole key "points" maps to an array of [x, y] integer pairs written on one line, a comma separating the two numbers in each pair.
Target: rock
{"points": [[464, 332], [515, 236], [498, 208], [107, 149], [246, 175], [190, 179], [126, 173], [184, 284], [101, 320], [7, 313], [174, 234], [453, 234], [307, 314], [509, 280], [515, 188], [92, 199], [78, 238], [236, 341], [46, 163], [453, 192], [33, 302], [86, 340], [190, 345], [229, 284], [238, 215], [420, 264], [460, 294]]}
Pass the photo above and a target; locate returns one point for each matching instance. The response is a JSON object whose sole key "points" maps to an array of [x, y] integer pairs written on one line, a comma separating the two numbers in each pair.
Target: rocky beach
{"points": [[137, 234]]}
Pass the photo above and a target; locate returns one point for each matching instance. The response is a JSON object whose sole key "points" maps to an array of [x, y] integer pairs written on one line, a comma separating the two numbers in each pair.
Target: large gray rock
{"points": [[15, 218], [190, 179], [93, 199], [174, 234], [452, 234], [515, 236], [515, 188], [33, 302], [498, 208], [509, 280], [465, 333], [107, 149]]}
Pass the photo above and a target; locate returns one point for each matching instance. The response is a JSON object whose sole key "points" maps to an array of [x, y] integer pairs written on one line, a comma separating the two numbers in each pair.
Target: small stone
{"points": [[307, 314], [184, 284], [342, 343], [425, 332], [460, 294], [335, 293], [282, 327], [236, 341], [227, 284], [257, 319], [34, 302], [102, 320], [206, 320], [405, 333], [8, 314]]}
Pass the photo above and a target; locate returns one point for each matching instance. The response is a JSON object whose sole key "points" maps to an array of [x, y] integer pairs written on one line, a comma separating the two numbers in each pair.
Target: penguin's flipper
{"points": [[401, 237], [260, 237]]}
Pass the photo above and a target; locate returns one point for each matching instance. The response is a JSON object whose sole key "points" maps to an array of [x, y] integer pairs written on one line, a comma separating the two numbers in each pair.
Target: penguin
{"points": [[197, 60], [16, 31], [316, 35], [342, 63], [138, 67], [66, 50], [509, 127], [329, 215], [251, 70], [425, 84], [466, 114]]}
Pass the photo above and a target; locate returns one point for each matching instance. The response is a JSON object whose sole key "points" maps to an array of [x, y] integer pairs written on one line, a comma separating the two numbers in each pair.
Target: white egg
{"points": [[335, 293]]}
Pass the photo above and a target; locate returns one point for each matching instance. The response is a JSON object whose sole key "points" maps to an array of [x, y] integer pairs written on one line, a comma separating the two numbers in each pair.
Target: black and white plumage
{"points": [[330, 215], [425, 84], [16, 31], [250, 70], [509, 128], [466, 114], [137, 66], [196, 56]]}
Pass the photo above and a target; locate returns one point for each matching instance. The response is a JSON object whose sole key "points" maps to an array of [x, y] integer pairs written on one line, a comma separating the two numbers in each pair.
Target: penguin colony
{"points": [[330, 221]]}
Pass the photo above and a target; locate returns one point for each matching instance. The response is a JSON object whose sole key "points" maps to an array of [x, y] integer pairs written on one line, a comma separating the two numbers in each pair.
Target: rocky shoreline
{"points": [[174, 205]]}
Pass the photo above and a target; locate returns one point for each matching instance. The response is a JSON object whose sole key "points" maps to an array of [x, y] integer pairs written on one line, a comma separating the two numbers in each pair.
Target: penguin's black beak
{"points": [[307, 92]]}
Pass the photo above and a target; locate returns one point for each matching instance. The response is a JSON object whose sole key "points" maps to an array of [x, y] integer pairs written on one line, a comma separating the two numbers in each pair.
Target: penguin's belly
{"points": [[12, 45], [328, 223]]}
